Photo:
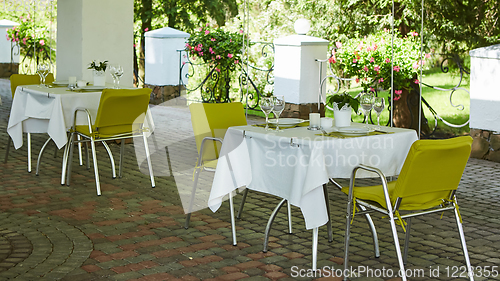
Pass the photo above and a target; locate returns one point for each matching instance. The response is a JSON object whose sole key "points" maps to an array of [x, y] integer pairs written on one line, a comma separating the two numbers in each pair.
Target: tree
{"points": [[185, 15]]}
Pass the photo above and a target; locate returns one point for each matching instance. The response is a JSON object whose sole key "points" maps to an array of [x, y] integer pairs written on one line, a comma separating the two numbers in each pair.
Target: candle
{"points": [[314, 120], [72, 80]]}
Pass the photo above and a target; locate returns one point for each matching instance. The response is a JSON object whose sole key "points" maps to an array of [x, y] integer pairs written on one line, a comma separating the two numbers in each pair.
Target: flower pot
{"points": [[342, 117], [99, 78]]}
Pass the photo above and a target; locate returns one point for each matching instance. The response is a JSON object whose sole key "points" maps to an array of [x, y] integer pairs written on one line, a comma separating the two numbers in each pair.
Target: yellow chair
{"points": [[427, 184], [120, 115], [210, 122], [23, 79]]}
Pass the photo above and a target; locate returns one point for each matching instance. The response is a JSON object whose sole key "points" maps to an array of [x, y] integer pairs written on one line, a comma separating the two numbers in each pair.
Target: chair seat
{"points": [[124, 130], [210, 165], [371, 193]]}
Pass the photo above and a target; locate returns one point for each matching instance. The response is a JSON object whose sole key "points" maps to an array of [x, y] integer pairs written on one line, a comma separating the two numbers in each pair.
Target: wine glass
{"points": [[279, 106], [118, 72], [43, 71], [266, 105], [378, 106], [112, 70], [366, 100]]}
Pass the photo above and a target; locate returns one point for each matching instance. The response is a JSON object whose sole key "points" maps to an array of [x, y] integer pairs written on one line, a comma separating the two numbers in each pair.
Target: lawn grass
{"points": [[438, 100]]}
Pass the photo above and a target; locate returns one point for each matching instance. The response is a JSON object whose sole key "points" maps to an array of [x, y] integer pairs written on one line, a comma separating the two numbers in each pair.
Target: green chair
{"points": [[18, 80], [120, 115], [210, 122], [427, 184]]}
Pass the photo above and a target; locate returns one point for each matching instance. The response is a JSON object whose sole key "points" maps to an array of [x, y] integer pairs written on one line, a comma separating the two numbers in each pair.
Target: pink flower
{"points": [[396, 68], [212, 39], [24, 40], [241, 31], [376, 68], [338, 44], [354, 61], [24, 20], [365, 68], [236, 61], [416, 81], [7, 36], [20, 17], [387, 60], [201, 54], [218, 57], [146, 29], [211, 50], [332, 60], [207, 32], [42, 42], [398, 92], [369, 49], [428, 56], [372, 59], [218, 70], [397, 98], [183, 63], [381, 80], [201, 29], [385, 30], [200, 46], [413, 33], [357, 80], [207, 25], [372, 90], [229, 55]]}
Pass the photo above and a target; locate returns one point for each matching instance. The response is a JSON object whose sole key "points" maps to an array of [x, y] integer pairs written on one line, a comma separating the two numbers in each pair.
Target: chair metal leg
{"points": [[370, 223], [347, 237], [29, 152], [7, 148], [329, 223], [168, 161], [87, 156], [79, 138], [270, 223], [398, 248], [148, 158], [193, 192], [96, 169], [69, 159], [233, 223], [243, 200], [42, 150], [407, 240], [464, 246], [120, 163], [111, 159]]}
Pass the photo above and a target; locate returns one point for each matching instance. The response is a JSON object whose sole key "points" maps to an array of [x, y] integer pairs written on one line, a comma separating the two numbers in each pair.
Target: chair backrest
{"points": [[25, 79], [213, 120], [121, 111], [432, 170]]}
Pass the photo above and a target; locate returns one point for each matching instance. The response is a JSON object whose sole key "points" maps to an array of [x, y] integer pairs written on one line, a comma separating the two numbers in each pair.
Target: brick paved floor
{"points": [[133, 232]]}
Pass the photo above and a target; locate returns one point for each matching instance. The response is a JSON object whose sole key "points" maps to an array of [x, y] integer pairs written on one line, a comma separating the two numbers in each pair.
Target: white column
{"points": [[94, 30]]}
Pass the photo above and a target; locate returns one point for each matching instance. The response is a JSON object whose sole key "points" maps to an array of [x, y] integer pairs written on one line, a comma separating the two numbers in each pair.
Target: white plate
{"points": [[352, 131], [287, 121], [61, 83]]}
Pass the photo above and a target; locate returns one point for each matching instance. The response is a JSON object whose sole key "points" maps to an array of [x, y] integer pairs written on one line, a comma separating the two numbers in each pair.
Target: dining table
{"points": [[50, 109], [295, 163]]}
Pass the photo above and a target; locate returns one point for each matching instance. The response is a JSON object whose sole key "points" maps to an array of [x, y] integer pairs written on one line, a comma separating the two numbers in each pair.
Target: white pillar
{"points": [[94, 30]]}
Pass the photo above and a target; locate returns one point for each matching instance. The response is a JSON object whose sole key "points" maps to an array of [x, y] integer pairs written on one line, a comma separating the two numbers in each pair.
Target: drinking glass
{"points": [[43, 71], [266, 105], [366, 100], [117, 72], [279, 106], [378, 106]]}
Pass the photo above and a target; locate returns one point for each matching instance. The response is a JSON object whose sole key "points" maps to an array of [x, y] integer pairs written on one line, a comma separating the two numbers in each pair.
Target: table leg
{"points": [[314, 248], [270, 223]]}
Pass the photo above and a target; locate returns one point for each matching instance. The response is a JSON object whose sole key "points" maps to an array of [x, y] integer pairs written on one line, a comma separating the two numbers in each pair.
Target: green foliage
{"points": [[32, 37], [216, 47], [369, 60], [342, 100], [98, 65]]}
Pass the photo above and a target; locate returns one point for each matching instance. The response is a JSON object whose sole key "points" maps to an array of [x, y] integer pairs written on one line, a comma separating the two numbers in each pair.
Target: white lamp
{"points": [[302, 26]]}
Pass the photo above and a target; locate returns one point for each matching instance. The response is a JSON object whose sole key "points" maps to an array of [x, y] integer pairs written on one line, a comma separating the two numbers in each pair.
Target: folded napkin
{"points": [[344, 136], [303, 124]]}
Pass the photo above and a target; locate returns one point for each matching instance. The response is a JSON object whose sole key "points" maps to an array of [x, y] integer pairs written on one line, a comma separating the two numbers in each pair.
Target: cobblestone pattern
{"points": [[134, 232]]}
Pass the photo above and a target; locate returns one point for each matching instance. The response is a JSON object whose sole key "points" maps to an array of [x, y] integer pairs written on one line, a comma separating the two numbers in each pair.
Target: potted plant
{"points": [[99, 68], [342, 106]]}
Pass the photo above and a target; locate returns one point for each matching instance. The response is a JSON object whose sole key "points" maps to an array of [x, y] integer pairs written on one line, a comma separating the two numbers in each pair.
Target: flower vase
{"points": [[342, 117], [99, 78]]}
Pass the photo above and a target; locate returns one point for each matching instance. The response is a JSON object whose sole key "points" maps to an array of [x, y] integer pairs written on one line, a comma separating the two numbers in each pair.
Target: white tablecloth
{"points": [[295, 163], [51, 110]]}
